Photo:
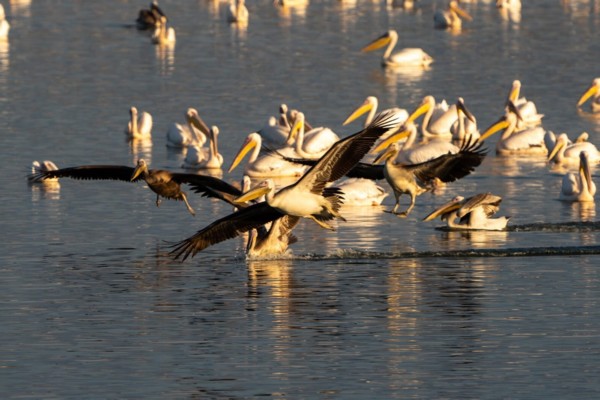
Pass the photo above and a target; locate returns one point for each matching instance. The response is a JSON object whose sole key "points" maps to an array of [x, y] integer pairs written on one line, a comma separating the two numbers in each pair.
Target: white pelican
{"points": [[360, 192], [139, 126], [526, 142], [237, 12], [307, 198], [594, 92], [512, 5], [164, 183], [39, 168], [201, 158], [369, 106], [408, 57], [149, 18], [565, 154], [451, 17], [465, 126], [277, 130], [437, 120], [579, 187], [4, 25], [417, 179], [314, 143], [473, 213], [527, 109], [194, 132], [163, 34]]}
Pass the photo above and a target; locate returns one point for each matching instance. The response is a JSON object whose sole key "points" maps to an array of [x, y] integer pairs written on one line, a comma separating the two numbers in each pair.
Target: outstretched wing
{"points": [[89, 172], [202, 183]]}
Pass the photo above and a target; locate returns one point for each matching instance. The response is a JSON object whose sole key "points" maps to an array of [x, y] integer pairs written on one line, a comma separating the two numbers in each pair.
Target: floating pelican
{"points": [[594, 92], [307, 198], [416, 179], [565, 154], [314, 143], [369, 106], [164, 183], [139, 127], [512, 5], [237, 12], [473, 213], [465, 126], [277, 130], [201, 158], [579, 187], [451, 17], [149, 18], [408, 57], [361, 192], [163, 34], [437, 119], [4, 25], [527, 109], [38, 169], [195, 132]]}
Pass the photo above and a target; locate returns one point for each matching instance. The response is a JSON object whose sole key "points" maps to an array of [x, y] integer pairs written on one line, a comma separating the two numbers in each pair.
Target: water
{"points": [[93, 306]]}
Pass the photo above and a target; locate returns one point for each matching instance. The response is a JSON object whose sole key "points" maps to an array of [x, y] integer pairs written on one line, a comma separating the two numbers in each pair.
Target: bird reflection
{"points": [[21, 8], [4, 58], [165, 55], [581, 211], [140, 148]]}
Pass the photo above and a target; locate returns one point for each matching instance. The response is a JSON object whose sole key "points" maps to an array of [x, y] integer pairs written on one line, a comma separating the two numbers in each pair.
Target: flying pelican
{"points": [[139, 127], [4, 25], [308, 197], [163, 34], [200, 158], [594, 92], [473, 213], [579, 187], [526, 142], [408, 57], [149, 18], [194, 132], [164, 183], [416, 179], [314, 143], [527, 109], [565, 154], [237, 12], [39, 168], [451, 17]]}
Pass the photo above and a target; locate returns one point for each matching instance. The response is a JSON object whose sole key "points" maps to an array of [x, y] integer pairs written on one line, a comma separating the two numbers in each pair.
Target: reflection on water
{"points": [[141, 148], [165, 55], [45, 190], [20, 8], [580, 211]]}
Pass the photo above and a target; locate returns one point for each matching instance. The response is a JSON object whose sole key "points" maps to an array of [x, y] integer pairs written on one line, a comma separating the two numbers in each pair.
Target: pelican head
{"points": [[593, 90], [447, 208], [392, 150], [561, 141], [401, 134], [298, 125], [515, 91], [259, 190], [369, 104], [253, 140], [381, 41], [141, 168], [461, 108], [454, 7], [504, 122]]}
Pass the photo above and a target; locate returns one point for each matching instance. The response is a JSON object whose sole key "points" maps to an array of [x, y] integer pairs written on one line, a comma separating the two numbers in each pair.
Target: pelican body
{"points": [[579, 187], [473, 213], [237, 12], [592, 92], [408, 57], [567, 154], [194, 132], [139, 126], [163, 34], [201, 158], [4, 25], [529, 117]]}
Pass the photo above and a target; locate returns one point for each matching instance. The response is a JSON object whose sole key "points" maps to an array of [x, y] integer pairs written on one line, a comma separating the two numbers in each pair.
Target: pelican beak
{"points": [[584, 168], [515, 90], [389, 152], [298, 123], [502, 123], [460, 106], [377, 43], [252, 194], [592, 90], [394, 138], [462, 13], [557, 147], [422, 109], [137, 171], [198, 123], [450, 206], [248, 145], [365, 107]]}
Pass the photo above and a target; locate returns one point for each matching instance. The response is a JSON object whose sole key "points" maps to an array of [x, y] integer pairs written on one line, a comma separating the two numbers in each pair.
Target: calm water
{"points": [[93, 307]]}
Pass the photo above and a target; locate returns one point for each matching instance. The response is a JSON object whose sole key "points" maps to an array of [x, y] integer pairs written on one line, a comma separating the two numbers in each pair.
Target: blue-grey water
{"points": [[92, 306]]}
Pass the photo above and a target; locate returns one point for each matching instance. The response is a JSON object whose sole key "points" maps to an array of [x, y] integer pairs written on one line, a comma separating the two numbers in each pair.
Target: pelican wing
{"points": [[89, 172], [360, 170], [489, 202], [226, 228], [347, 152], [201, 183]]}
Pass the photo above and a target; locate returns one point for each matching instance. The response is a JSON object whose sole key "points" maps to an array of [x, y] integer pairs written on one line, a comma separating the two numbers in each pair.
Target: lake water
{"points": [[93, 307]]}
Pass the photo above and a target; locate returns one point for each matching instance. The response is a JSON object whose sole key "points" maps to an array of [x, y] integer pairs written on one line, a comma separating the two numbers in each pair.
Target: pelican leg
{"points": [[322, 224], [158, 201], [190, 209]]}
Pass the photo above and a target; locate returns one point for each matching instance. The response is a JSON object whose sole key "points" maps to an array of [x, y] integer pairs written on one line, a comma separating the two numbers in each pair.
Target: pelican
{"points": [[139, 127], [267, 165], [200, 158], [527, 109], [579, 187], [473, 213], [163, 34], [195, 132], [237, 12], [594, 92], [4, 25], [307, 198], [513, 5], [149, 18], [408, 57], [466, 124], [314, 143], [164, 183], [39, 168], [437, 118], [451, 17], [361, 192], [369, 106], [526, 142], [277, 130], [416, 179], [565, 154]]}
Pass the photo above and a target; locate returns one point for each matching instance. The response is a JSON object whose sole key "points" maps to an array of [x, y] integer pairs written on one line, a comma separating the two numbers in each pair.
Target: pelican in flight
{"points": [[164, 183], [579, 187], [527, 109], [408, 57], [201, 158], [139, 126], [4, 25], [567, 154], [237, 12], [314, 143], [149, 18], [38, 169], [307, 198], [473, 213], [416, 179], [163, 34], [594, 92], [451, 17], [194, 132]]}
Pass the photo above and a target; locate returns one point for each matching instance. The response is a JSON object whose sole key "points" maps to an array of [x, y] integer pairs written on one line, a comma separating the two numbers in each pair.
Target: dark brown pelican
{"points": [[149, 18], [164, 183], [308, 197]]}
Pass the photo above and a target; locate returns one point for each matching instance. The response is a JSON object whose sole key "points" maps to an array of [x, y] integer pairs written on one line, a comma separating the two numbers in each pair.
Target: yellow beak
{"points": [[252, 194], [248, 145], [502, 123], [364, 108], [377, 43], [392, 139], [588, 93]]}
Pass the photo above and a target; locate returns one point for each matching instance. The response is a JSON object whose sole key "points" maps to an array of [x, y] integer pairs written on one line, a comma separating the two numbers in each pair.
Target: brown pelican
{"points": [[139, 126], [451, 17], [416, 179], [308, 197], [579, 187], [408, 57], [473, 213], [149, 18], [594, 92], [164, 183]]}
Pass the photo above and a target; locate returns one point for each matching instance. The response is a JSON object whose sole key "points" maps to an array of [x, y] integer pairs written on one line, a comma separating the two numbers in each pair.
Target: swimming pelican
{"points": [[369, 106], [267, 165], [314, 143], [465, 126], [139, 127], [237, 12], [527, 109], [164, 183], [473, 213], [579, 187], [4, 25], [594, 92], [163, 34], [512, 5], [416, 179], [408, 57], [526, 142], [361, 192], [565, 154], [38, 169], [438, 118], [307, 198], [195, 132], [277, 130], [451, 17], [201, 158], [149, 18]]}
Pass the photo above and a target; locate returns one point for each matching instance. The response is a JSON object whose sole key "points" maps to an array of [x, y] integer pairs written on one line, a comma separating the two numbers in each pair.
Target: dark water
{"points": [[93, 307]]}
